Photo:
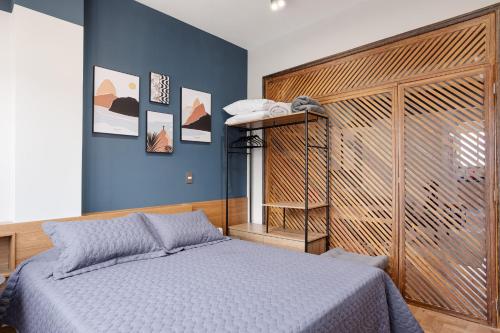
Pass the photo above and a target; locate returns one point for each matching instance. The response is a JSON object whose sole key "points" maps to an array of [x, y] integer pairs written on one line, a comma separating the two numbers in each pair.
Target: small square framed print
{"points": [[160, 132], [159, 88]]}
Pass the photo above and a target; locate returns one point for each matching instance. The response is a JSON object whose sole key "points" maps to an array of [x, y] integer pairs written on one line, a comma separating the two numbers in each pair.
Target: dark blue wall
{"points": [[69, 10], [6, 5], [117, 172]]}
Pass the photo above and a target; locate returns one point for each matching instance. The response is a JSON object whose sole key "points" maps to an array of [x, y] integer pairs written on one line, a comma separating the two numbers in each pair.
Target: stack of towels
{"points": [[279, 109], [257, 109], [306, 103]]}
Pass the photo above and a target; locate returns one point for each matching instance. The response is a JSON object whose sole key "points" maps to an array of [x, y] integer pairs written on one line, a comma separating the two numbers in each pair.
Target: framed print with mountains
{"points": [[116, 102], [196, 116], [160, 132]]}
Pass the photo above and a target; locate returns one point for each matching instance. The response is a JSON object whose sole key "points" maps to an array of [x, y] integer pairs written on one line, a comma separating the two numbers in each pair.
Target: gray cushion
{"points": [[90, 245], [375, 261], [178, 231]]}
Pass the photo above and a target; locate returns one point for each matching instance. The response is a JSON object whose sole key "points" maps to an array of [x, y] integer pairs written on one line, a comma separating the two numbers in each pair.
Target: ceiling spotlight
{"points": [[277, 4]]}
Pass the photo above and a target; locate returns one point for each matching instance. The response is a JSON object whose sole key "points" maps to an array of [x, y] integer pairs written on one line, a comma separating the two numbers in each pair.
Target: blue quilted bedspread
{"points": [[231, 286]]}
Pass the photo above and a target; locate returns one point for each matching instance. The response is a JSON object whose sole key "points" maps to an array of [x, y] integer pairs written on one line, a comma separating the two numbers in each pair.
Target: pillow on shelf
{"points": [[89, 245], [246, 106], [182, 230], [245, 118]]}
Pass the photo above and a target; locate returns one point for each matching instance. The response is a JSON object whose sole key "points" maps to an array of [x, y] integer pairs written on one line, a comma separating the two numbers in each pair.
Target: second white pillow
{"points": [[246, 106]]}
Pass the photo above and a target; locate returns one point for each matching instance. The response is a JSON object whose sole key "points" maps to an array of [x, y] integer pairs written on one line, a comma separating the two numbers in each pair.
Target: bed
{"points": [[216, 286], [229, 286]]}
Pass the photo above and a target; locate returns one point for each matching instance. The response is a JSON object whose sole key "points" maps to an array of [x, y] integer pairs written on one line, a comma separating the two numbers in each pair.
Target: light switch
{"points": [[189, 177]]}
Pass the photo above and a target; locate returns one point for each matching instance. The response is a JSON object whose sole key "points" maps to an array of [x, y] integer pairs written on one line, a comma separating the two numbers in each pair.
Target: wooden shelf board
{"points": [[295, 205], [260, 229], [289, 119]]}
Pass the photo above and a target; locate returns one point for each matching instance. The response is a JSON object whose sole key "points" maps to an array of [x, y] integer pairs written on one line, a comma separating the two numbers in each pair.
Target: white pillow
{"points": [[246, 106], [244, 118]]}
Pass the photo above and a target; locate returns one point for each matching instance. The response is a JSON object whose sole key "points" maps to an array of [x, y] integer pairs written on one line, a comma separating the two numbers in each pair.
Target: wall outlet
{"points": [[189, 177]]}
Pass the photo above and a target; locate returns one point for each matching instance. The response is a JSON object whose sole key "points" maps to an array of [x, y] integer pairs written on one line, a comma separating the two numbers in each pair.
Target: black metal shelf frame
{"points": [[247, 143]]}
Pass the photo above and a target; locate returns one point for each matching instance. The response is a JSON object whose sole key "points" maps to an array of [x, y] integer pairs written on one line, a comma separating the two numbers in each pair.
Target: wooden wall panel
{"points": [[448, 261], [445, 194], [286, 184], [31, 240], [363, 173], [456, 47]]}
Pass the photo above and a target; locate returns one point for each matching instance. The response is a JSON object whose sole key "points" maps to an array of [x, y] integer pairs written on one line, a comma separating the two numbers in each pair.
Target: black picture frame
{"points": [[172, 137], [93, 103], [167, 102], [181, 114]]}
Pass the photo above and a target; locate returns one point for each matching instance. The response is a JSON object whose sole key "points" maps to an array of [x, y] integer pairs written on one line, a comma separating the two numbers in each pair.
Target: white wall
{"points": [[6, 119], [368, 22], [47, 97]]}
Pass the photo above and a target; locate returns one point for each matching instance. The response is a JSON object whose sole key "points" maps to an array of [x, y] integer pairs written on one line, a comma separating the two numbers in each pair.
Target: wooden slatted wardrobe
{"points": [[413, 158]]}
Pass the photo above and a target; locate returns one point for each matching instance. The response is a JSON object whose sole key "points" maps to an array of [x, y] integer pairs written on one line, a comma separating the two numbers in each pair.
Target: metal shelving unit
{"points": [[249, 142]]}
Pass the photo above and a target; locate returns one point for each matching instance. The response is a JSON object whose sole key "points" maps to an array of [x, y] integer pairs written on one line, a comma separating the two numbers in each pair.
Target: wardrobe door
{"points": [[363, 173], [447, 193]]}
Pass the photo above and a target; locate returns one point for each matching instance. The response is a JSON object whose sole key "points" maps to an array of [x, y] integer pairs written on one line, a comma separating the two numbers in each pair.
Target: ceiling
{"points": [[249, 23]]}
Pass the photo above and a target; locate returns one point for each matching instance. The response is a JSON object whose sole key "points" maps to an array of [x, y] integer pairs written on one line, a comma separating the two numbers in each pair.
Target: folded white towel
{"points": [[280, 109]]}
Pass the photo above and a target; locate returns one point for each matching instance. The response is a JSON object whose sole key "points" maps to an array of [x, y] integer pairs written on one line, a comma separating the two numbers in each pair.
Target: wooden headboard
{"points": [[30, 239]]}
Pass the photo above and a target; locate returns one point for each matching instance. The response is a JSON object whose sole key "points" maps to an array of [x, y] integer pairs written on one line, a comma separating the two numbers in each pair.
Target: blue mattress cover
{"points": [[229, 286]]}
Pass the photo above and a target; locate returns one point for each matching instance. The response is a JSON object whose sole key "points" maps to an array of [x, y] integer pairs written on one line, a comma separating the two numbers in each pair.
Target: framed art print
{"points": [[160, 132], [159, 88], [196, 116], [116, 102]]}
